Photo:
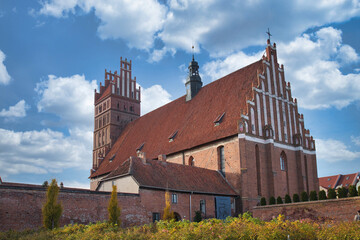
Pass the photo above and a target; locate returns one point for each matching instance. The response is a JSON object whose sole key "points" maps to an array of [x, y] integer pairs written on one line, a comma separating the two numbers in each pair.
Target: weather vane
{"points": [[268, 33], [192, 52]]}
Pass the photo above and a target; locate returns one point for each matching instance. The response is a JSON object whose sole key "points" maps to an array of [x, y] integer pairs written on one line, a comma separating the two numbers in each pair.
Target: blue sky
{"points": [[53, 55]]}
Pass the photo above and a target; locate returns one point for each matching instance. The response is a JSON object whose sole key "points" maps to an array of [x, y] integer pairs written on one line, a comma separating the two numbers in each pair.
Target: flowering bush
{"points": [[242, 227]]}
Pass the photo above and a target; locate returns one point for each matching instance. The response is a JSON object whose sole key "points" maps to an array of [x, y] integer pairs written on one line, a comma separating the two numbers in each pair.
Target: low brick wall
{"points": [[20, 207], [334, 209]]}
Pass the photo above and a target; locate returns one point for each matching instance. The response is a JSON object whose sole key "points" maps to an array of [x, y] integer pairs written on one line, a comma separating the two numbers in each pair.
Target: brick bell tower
{"points": [[116, 105]]}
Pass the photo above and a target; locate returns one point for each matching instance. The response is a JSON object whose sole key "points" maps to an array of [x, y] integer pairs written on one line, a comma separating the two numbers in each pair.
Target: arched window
{"points": [[282, 161], [221, 159], [191, 161]]}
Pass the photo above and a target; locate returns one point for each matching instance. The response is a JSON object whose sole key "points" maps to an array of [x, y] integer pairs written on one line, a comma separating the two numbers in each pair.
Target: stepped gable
{"points": [[173, 176], [193, 120]]}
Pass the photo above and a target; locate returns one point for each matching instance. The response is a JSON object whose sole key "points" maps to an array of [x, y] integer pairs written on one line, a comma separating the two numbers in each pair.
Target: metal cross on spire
{"points": [[268, 33]]}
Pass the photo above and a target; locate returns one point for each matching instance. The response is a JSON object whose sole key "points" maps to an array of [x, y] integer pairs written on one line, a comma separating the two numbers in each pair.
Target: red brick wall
{"points": [[20, 208], [334, 209], [154, 201]]}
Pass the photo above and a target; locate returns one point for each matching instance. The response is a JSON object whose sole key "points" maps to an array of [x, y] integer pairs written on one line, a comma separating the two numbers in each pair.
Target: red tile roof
{"points": [[194, 120], [172, 176], [339, 180]]}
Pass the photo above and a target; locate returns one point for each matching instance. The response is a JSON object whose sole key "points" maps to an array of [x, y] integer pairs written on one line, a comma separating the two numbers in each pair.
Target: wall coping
{"points": [[306, 203], [64, 190]]}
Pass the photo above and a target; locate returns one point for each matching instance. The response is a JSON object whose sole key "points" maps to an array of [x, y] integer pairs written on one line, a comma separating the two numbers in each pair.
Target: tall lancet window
{"points": [[221, 155], [282, 161]]}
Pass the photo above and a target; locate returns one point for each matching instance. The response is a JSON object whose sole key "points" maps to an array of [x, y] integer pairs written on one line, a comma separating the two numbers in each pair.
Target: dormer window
{"points": [[347, 178], [172, 136], [112, 158], [219, 119], [140, 147]]}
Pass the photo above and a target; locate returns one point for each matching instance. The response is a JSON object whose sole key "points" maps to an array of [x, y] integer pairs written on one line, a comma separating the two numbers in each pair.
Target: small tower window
{"points": [[221, 160], [191, 161], [283, 161]]}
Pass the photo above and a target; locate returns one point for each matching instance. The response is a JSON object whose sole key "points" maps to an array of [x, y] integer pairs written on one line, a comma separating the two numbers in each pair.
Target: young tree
{"points": [[331, 193], [113, 208], [262, 201], [271, 201], [304, 196], [52, 210], [352, 191], [168, 214], [313, 196], [287, 198], [359, 190], [45, 184], [279, 200], [322, 195], [296, 197]]}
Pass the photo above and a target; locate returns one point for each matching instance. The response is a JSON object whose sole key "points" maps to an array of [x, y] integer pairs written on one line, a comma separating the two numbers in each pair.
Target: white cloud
{"points": [[48, 151], [137, 22], [355, 140], [76, 184], [4, 75], [70, 98], [330, 150], [16, 111], [217, 27], [158, 54], [41, 152], [312, 65], [153, 97]]}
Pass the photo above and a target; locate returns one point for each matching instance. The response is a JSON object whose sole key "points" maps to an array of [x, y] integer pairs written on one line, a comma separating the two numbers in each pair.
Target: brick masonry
{"points": [[20, 207], [333, 209]]}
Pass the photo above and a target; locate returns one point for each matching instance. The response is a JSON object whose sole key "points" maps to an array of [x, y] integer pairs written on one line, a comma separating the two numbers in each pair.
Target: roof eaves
{"points": [[186, 191]]}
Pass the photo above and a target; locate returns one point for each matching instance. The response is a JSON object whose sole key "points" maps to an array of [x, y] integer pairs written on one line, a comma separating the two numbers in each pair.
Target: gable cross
{"points": [[268, 33]]}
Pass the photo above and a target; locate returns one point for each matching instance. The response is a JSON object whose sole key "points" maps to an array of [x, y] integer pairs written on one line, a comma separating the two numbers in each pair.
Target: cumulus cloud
{"points": [[16, 111], [41, 152], [312, 65], [4, 75], [70, 98], [153, 97], [137, 22], [330, 150], [355, 140], [48, 151], [217, 27]]}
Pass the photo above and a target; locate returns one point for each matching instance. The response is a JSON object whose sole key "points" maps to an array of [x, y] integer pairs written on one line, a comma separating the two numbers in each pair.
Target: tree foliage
{"points": [[262, 201], [331, 193], [342, 192], [296, 197], [168, 214], [352, 191], [271, 201], [279, 200], [52, 210], [322, 195], [313, 196], [287, 198], [198, 217], [304, 196], [113, 208]]}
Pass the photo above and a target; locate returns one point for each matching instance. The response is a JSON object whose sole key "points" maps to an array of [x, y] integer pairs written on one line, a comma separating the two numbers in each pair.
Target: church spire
{"points": [[193, 81]]}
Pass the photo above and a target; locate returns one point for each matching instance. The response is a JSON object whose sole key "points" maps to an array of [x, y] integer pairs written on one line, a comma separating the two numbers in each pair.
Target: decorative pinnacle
{"points": [[192, 52]]}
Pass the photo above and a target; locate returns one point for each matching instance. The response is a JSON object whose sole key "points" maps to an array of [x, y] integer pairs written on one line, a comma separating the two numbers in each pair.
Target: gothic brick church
{"points": [[218, 149]]}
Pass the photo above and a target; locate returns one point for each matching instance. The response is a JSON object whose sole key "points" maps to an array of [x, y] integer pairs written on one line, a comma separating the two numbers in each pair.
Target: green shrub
{"points": [[352, 191], [313, 196], [296, 197], [358, 191], [279, 200], [198, 217], [331, 193], [322, 195], [113, 208], [304, 196], [52, 210], [263, 201], [271, 201], [342, 192], [287, 198]]}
